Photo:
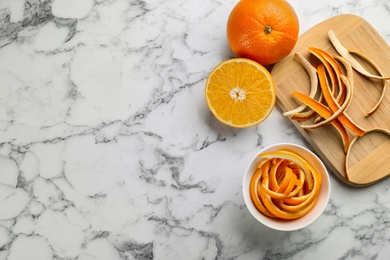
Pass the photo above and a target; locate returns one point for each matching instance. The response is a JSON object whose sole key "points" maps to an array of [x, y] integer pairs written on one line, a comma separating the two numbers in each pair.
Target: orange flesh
{"points": [[240, 93]]}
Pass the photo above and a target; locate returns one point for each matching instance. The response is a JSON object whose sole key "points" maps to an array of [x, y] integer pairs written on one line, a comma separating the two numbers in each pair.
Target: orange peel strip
{"points": [[333, 78], [347, 55], [349, 72], [336, 113], [286, 180], [373, 64], [281, 167], [253, 189], [325, 113], [334, 106], [293, 182], [301, 206], [272, 175], [303, 116], [337, 69], [332, 69], [313, 83]]}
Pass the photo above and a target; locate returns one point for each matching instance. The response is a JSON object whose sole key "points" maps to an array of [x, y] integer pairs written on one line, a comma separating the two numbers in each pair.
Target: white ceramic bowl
{"points": [[323, 197]]}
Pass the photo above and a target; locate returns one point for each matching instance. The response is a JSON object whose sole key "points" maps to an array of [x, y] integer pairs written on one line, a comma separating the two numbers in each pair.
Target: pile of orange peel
{"points": [[284, 185], [331, 90]]}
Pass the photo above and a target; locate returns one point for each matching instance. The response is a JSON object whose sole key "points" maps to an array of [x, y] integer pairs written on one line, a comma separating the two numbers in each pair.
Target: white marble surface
{"points": [[108, 150]]}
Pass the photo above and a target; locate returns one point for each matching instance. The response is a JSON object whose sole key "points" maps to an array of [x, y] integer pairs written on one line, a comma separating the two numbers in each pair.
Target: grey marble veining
{"points": [[108, 149]]}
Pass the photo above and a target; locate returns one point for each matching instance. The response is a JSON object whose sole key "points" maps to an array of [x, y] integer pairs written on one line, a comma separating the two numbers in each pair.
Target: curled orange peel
{"points": [[373, 64], [349, 72], [336, 92], [296, 191], [326, 90], [311, 71], [325, 113], [335, 107], [349, 57], [253, 189], [328, 68]]}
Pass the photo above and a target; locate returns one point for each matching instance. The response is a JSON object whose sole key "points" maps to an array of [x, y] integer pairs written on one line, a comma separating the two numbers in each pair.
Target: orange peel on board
{"points": [[311, 71], [335, 93], [349, 57]]}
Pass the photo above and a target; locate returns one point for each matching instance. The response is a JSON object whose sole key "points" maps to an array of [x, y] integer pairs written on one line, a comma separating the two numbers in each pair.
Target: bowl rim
{"points": [[309, 218]]}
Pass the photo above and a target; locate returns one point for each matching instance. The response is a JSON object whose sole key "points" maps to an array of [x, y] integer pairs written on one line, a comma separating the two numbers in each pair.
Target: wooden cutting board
{"points": [[370, 152]]}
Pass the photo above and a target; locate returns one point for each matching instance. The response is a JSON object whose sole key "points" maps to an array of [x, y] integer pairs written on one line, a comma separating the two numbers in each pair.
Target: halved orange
{"points": [[240, 92]]}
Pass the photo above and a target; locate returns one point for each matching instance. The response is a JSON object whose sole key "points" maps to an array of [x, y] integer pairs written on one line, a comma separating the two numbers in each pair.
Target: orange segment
{"points": [[240, 93]]}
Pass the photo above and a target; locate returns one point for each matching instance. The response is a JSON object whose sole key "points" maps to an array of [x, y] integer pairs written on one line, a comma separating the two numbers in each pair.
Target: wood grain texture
{"points": [[354, 33]]}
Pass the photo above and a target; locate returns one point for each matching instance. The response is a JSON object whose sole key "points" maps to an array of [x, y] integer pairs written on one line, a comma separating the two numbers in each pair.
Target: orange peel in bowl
{"points": [[297, 199], [295, 191]]}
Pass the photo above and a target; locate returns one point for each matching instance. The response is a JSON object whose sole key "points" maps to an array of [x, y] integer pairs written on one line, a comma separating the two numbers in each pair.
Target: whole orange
{"points": [[262, 30]]}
